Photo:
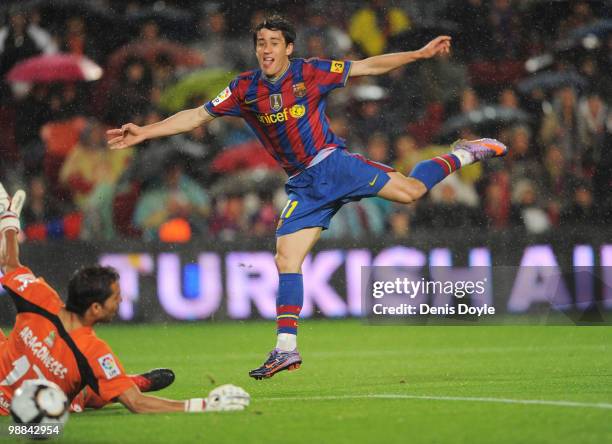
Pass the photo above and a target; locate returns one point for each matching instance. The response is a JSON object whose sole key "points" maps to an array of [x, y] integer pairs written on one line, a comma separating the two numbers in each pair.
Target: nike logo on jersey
{"points": [[373, 181]]}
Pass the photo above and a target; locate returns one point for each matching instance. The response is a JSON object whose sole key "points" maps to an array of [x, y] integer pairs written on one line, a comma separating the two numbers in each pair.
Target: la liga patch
{"points": [[109, 366], [222, 97]]}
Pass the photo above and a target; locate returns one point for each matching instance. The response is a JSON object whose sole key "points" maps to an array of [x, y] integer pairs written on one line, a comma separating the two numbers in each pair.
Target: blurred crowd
{"points": [[535, 74]]}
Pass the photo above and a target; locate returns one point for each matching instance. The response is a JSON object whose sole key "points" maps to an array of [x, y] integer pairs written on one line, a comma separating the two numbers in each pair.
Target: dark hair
{"points": [[276, 23], [89, 285]]}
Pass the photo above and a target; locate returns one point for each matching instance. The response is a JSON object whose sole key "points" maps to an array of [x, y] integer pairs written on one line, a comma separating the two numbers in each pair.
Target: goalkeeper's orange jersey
{"points": [[40, 347]]}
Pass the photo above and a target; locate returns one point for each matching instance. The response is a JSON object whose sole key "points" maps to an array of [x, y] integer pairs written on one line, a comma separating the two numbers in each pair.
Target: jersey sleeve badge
{"points": [[25, 280], [109, 366], [222, 97], [337, 66]]}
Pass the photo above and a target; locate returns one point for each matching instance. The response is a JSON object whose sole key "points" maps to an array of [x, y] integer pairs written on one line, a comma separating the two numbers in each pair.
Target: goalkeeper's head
{"points": [[94, 294]]}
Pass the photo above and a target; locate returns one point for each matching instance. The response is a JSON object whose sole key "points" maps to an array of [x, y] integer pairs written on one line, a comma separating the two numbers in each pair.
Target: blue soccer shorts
{"points": [[318, 192]]}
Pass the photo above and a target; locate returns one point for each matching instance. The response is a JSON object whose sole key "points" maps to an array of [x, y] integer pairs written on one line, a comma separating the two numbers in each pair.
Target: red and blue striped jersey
{"points": [[288, 114]]}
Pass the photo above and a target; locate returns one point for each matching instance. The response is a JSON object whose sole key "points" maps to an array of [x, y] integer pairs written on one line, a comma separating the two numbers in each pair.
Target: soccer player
{"points": [[57, 342], [284, 103]]}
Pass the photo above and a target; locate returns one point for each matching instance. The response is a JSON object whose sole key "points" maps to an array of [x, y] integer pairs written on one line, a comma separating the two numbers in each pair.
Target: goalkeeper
{"points": [[57, 342]]}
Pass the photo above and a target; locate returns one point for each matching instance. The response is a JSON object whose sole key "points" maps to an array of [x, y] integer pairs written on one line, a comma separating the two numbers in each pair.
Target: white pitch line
{"points": [[600, 405]]}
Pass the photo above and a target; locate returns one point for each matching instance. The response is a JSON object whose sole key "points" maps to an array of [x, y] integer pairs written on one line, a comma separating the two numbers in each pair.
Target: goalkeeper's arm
{"points": [[9, 251], [224, 398]]}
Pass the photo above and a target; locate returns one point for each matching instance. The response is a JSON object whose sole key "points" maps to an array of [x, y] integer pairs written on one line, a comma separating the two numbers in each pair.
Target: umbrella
{"points": [[482, 118], [204, 84], [248, 181], [55, 68], [586, 36], [180, 55], [547, 81], [243, 156]]}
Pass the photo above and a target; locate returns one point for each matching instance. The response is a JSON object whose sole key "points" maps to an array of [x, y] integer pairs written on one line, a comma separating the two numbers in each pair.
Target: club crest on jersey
{"points": [[110, 367], [299, 90], [276, 102], [337, 66]]}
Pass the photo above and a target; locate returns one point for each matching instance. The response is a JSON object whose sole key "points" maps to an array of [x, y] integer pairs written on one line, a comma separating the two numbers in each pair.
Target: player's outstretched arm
{"points": [[181, 122], [224, 398], [382, 64]]}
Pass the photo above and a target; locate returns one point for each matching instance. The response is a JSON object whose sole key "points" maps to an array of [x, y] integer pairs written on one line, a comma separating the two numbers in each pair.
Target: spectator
{"points": [[496, 202], [20, 39], [592, 117], [332, 41], [221, 48], [77, 40], [264, 221], [505, 22], [406, 154], [399, 221], [473, 40], [581, 211], [556, 182], [378, 148], [469, 101], [359, 220], [372, 26], [91, 164], [526, 211], [41, 206], [162, 76], [560, 124], [444, 210], [132, 94], [523, 161], [442, 79], [370, 119], [229, 218], [178, 197], [508, 98]]}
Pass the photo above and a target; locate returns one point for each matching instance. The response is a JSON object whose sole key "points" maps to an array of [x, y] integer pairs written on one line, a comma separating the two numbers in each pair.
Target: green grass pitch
{"points": [[367, 384]]}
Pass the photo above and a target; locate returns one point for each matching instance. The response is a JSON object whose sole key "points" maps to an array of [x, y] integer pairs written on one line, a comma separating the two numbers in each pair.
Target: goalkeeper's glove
{"points": [[224, 398], [9, 218]]}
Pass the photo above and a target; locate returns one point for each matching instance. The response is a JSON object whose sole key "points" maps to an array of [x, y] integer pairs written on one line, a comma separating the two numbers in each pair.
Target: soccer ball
{"points": [[39, 401]]}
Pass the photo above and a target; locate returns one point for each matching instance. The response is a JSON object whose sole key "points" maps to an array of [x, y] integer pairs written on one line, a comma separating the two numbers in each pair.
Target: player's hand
{"points": [[126, 136], [439, 45], [9, 219], [226, 398]]}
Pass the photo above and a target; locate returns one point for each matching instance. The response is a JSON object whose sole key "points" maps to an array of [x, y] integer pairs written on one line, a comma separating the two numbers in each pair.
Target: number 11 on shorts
{"points": [[288, 210]]}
